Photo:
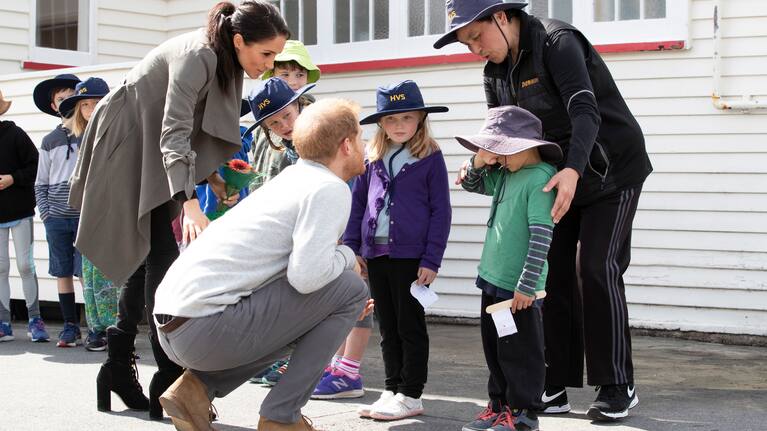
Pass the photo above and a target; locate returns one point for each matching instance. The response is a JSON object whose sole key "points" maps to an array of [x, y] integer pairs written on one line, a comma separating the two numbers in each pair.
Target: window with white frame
{"points": [[63, 32], [301, 17], [607, 22], [366, 30]]}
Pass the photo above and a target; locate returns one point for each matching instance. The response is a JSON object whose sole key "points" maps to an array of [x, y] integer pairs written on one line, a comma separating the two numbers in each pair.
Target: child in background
{"points": [[511, 166], [206, 195], [100, 294], [293, 65], [18, 167], [58, 156], [399, 225]]}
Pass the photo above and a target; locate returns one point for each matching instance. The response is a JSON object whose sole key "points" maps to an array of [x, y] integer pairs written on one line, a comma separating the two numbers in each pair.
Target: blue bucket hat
{"points": [[270, 97], [91, 88], [404, 96], [461, 13], [42, 92]]}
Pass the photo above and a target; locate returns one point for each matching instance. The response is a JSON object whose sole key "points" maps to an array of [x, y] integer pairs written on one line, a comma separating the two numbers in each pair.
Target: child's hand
{"points": [[462, 172], [367, 310], [521, 301], [217, 185], [426, 276], [232, 200]]}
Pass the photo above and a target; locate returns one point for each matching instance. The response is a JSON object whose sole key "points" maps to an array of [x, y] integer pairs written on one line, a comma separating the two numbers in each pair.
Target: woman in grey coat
{"points": [[168, 127]]}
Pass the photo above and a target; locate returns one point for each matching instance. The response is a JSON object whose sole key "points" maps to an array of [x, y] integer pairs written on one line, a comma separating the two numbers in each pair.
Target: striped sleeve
{"points": [[538, 249], [473, 181]]}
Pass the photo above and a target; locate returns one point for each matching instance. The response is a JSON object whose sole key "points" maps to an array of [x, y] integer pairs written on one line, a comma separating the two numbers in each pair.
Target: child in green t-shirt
{"points": [[510, 165]]}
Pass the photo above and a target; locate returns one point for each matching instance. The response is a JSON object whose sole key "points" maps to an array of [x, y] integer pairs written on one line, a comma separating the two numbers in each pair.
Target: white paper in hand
{"points": [[423, 294], [504, 322]]}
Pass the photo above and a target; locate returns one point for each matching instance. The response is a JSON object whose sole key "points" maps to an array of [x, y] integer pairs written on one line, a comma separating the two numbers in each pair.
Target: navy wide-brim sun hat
{"points": [[461, 13], [91, 88], [270, 97], [244, 108], [396, 98], [42, 92]]}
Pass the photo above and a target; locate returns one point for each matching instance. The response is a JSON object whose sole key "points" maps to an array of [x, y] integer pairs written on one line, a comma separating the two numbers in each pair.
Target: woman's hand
{"points": [[218, 185], [194, 221], [565, 181], [426, 276]]}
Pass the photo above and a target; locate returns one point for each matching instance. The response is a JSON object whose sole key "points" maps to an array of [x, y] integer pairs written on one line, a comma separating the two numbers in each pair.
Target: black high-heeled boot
{"points": [[119, 374], [167, 373]]}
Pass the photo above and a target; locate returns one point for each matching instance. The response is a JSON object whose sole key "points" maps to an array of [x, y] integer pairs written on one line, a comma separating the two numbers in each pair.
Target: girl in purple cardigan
{"points": [[399, 225]]}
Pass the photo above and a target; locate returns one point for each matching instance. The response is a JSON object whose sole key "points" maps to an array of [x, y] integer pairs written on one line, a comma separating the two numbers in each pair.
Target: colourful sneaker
{"points": [[484, 420], [69, 336], [525, 420], [96, 341], [259, 378], [398, 407], [504, 421], [337, 385], [6, 332], [36, 331], [364, 410], [273, 377]]}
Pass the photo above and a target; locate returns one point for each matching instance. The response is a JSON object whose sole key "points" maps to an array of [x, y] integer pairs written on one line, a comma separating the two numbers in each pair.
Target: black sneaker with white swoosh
{"points": [[613, 402], [554, 400]]}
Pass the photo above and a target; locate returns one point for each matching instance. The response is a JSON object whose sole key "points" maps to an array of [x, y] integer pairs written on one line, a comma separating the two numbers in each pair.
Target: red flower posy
{"points": [[240, 166]]}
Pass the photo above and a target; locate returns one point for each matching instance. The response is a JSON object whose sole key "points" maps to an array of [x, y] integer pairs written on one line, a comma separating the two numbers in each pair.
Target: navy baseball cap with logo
{"points": [[270, 97], [91, 88], [461, 13], [42, 92], [403, 96]]}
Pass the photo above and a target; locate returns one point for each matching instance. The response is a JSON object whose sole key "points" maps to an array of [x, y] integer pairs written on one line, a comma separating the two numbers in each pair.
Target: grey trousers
{"points": [[23, 243], [225, 349]]}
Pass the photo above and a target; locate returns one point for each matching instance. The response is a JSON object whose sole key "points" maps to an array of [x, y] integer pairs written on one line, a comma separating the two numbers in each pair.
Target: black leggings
{"points": [[137, 297]]}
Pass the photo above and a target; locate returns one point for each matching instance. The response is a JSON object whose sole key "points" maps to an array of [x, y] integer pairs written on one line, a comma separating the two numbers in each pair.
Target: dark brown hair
{"points": [[290, 65], [255, 20]]}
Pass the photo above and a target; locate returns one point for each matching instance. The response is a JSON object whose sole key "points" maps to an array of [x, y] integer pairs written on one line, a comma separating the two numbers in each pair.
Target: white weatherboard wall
{"points": [[700, 239]]}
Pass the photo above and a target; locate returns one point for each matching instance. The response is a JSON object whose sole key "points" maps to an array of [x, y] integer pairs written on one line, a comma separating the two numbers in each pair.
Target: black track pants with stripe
{"points": [[590, 312]]}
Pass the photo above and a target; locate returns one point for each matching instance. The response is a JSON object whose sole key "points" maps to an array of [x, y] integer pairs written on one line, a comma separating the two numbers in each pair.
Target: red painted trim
{"points": [[433, 60], [33, 65]]}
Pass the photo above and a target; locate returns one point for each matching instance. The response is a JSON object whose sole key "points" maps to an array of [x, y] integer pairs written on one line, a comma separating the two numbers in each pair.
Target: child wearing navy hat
{"points": [[398, 228], [510, 165], [58, 156], [99, 294]]}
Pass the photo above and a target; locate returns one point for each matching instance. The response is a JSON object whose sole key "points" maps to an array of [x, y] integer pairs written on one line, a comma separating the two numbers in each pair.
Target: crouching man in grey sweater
{"points": [[267, 276]]}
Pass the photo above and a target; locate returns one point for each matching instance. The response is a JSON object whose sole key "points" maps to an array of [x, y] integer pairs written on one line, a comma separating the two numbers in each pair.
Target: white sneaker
{"points": [[399, 407], [364, 410]]}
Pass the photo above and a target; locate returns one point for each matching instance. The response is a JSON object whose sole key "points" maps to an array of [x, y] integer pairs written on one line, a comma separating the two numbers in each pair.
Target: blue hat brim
{"points": [[452, 37], [69, 103], [42, 93], [298, 94], [373, 118], [244, 108]]}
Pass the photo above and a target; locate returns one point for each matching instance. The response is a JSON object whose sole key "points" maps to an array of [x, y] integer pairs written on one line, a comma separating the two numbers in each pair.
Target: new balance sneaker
{"points": [[338, 385], [69, 336], [6, 332], [36, 331], [554, 400], [525, 420], [273, 377], [503, 422], [399, 406], [613, 402], [96, 341], [484, 420], [364, 410], [259, 378]]}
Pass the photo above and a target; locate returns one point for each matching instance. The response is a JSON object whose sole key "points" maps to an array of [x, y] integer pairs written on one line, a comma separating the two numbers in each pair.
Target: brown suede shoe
{"points": [[303, 424], [186, 402]]}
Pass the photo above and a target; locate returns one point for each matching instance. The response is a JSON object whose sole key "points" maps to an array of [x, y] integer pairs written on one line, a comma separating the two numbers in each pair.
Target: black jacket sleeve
{"points": [[565, 59], [28, 155], [490, 96]]}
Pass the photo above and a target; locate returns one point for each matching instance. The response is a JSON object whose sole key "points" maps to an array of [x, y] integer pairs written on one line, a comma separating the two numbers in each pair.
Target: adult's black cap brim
{"points": [[452, 37], [373, 118], [42, 92]]}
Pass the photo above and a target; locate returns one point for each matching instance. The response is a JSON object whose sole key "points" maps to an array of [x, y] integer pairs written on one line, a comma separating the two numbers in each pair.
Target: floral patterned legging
{"points": [[100, 298]]}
